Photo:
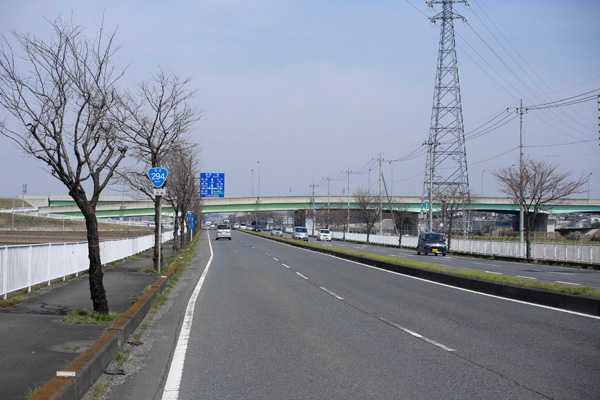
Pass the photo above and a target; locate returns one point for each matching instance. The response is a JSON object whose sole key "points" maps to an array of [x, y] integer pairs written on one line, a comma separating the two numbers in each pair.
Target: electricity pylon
{"points": [[446, 178]]}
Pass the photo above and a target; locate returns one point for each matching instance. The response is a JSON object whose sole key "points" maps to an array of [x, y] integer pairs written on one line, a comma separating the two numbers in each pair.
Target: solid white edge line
{"points": [[526, 277], [171, 391]]}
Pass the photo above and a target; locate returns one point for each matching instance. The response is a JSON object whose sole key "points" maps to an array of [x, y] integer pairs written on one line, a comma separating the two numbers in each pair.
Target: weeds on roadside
{"points": [[78, 316]]}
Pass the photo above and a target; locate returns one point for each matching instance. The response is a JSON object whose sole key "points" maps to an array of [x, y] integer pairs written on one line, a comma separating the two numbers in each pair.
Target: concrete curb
{"points": [[581, 304], [74, 382]]}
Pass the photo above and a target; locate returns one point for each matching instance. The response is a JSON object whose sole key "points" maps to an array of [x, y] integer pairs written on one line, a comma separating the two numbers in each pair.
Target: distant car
{"points": [[324, 234], [223, 232], [277, 232], [256, 228], [236, 226], [300, 233], [431, 242]]}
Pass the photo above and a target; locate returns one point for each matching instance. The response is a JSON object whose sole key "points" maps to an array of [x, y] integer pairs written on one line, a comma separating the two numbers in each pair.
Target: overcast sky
{"points": [[302, 90]]}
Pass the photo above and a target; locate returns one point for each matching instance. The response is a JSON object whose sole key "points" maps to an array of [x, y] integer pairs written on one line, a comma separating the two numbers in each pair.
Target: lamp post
{"points": [[252, 182], [482, 182], [258, 162], [588, 179]]}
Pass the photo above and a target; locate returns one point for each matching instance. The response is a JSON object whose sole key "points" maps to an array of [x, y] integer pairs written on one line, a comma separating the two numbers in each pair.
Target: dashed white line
{"points": [[287, 266], [331, 293], [275, 259], [526, 277], [492, 272], [568, 283], [418, 335], [300, 275]]}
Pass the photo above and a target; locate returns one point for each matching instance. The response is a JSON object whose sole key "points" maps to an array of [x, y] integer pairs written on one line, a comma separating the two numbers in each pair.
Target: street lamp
{"points": [[588, 179], [258, 162], [482, 182], [252, 182]]}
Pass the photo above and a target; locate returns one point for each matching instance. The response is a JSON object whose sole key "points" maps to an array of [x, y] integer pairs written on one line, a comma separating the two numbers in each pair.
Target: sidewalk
{"points": [[36, 343]]}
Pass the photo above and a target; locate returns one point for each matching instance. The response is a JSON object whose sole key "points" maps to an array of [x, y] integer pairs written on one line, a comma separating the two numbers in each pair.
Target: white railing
{"points": [[22, 267], [559, 252]]}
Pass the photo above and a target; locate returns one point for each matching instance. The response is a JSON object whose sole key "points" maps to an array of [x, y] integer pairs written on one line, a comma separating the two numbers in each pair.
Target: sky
{"points": [[296, 93]]}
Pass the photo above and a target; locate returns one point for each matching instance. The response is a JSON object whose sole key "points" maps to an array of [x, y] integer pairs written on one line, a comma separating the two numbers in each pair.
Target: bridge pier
{"points": [[542, 223]]}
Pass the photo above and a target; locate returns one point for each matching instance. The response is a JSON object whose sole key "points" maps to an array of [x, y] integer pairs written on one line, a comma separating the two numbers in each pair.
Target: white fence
{"points": [[559, 252], [22, 267]]}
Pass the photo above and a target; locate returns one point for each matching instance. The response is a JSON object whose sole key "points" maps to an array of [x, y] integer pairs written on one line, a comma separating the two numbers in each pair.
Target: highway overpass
{"points": [[119, 206]]}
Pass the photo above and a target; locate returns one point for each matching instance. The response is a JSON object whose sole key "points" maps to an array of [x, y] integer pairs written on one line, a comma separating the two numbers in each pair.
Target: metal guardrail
{"points": [[24, 266]]}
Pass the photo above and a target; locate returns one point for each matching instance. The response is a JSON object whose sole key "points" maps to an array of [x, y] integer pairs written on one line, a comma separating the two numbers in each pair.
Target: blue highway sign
{"points": [[158, 176], [212, 184]]}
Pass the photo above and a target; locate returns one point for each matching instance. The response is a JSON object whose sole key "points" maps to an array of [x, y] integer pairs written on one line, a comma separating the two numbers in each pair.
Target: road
{"points": [[272, 321]]}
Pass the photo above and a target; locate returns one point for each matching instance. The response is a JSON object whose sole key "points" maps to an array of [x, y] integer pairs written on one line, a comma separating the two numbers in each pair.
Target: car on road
{"points": [[223, 232], [300, 233], [276, 232], [255, 228], [431, 242], [324, 234]]}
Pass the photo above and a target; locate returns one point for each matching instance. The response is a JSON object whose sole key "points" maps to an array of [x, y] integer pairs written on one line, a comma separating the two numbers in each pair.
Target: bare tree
{"points": [[159, 116], [61, 95], [368, 206], [536, 186], [183, 163], [453, 201]]}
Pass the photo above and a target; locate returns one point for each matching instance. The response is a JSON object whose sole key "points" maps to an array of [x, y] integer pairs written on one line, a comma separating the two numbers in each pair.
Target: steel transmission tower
{"points": [[446, 182]]}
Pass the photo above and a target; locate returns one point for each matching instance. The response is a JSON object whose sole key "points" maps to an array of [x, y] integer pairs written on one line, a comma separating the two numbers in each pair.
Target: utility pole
{"points": [[446, 164], [312, 203], [380, 205], [521, 111]]}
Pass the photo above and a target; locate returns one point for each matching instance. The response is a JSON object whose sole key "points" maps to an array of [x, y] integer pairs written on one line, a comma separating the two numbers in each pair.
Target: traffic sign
{"points": [[426, 205], [212, 184], [158, 176], [160, 192]]}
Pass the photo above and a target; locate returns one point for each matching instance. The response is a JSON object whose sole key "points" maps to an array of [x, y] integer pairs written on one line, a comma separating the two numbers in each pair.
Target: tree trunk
{"points": [[97, 292], [175, 229]]}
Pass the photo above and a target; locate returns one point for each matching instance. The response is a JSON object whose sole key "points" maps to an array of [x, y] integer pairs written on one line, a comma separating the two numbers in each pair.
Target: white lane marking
{"points": [[331, 293], [275, 259], [418, 335], [562, 273], [486, 264], [171, 390], [568, 283], [287, 266], [302, 276], [526, 277], [492, 272]]}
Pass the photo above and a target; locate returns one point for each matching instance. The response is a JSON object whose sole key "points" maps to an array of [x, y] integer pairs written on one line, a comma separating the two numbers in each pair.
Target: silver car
{"points": [[277, 232], [300, 233], [223, 232]]}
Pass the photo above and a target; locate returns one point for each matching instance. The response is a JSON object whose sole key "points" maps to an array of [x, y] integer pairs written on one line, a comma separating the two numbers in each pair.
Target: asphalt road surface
{"points": [[276, 322]]}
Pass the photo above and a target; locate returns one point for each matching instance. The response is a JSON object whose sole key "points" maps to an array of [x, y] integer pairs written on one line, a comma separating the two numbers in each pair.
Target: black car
{"points": [[431, 242]]}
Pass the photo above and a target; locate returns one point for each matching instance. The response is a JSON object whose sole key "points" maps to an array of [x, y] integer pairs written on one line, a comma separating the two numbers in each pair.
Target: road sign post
{"points": [[158, 177]]}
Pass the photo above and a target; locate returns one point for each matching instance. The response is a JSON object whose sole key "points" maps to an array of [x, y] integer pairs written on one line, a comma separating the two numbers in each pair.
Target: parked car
{"points": [[223, 232], [300, 233], [431, 242], [277, 232], [324, 234], [256, 228]]}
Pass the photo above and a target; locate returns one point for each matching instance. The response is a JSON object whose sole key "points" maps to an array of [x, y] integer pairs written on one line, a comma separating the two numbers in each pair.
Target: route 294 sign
{"points": [[158, 176]]}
